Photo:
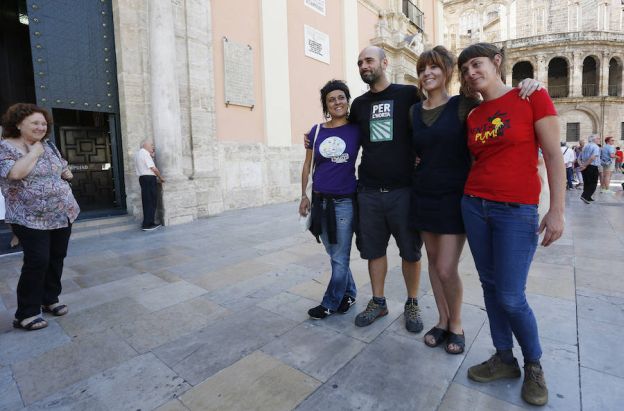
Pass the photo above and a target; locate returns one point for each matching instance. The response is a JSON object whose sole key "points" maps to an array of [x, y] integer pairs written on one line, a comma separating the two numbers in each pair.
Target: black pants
{"points": [[590, 181], [148, 198], [40, 281]]}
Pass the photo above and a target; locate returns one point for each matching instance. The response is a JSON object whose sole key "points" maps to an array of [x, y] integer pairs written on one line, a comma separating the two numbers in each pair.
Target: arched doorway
{"points": [[590, 77], [558, 77], [520, 71], [615, 77]]}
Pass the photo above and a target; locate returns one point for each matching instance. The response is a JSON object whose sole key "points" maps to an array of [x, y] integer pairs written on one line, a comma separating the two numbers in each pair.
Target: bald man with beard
{"points": [[384, 187]]}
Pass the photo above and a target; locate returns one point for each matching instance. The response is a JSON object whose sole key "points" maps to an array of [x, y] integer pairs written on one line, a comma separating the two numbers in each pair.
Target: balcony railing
{"points": [[414, 14], [589, 90], [558, 91], [615, 91]]}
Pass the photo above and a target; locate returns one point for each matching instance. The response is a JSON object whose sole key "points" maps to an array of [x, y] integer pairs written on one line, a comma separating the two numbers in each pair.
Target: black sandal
{"points": [[55, 309], [438, 334], [457, 339], [31, 326]]}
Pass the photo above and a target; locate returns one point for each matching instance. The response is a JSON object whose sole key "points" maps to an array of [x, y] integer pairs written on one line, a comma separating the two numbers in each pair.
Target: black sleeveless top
{"points": [[444, 156]]}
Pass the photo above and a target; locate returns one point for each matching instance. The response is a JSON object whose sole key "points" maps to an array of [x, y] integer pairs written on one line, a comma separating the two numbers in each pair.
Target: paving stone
{"points": [[601, 391], [10, 398], [556, 318], [99, 294], [232, 274], [257, 382], [168, 295], [600, 307], [199, 355], [289, 305], [259, 287], [317, 351], [551, 280], [377, 379], [461, 398], [56, 369], [143, 382], [105, 276], [560, 363], [20, 345], [174, 405], [152, 330], [6, 320], [598, 342], [102, 316], [601, 283]]}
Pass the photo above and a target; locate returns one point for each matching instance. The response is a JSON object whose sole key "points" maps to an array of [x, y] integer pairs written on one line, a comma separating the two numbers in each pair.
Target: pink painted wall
{"points": [[308, 75], [239, 21], [367, 20], [428, 7]]}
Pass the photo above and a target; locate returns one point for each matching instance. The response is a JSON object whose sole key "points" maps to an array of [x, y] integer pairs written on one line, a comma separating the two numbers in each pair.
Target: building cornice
{"points": [[569, 38]]}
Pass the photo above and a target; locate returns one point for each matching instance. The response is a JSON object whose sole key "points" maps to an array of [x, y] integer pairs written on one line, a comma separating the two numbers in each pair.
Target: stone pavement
{"points": [[212, 316]]}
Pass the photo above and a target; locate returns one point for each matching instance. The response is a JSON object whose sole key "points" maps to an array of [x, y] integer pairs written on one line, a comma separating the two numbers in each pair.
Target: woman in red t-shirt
{"points": [[499, 208]]}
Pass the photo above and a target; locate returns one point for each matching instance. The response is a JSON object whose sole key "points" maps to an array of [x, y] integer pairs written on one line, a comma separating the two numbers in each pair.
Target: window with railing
{"points": [[413, 13], [573, 132]]}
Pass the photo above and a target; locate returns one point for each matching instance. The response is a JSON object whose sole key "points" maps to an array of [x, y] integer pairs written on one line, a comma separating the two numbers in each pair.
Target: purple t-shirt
{"points": [[335, 152]]}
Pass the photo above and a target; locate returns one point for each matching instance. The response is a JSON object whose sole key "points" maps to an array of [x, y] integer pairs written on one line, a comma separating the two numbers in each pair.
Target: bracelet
{"points": [[304, 196]]}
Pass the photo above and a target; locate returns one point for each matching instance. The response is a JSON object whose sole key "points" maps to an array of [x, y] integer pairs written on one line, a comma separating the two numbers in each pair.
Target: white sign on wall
{"points": [[316, 5], [316, 44]]}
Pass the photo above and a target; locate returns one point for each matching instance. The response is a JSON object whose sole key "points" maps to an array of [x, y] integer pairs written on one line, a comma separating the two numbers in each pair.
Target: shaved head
{"points": [[372, 63], [377, 51]]}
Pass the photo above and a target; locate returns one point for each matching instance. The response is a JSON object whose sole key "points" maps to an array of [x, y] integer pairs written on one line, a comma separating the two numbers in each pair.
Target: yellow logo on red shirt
{"points": [[495, 128]]}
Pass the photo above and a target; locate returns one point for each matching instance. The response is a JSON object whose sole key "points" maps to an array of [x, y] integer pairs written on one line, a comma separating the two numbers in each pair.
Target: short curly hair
{"points": [[333, 85], [17, 113]]}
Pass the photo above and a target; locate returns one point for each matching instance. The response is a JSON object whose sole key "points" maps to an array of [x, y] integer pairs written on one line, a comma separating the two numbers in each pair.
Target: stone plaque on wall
{"points": [[316, 44], [318, 5], [238, 73]]}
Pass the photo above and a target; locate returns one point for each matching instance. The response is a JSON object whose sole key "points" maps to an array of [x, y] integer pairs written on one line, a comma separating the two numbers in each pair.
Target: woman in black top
{"points": [[439, 139]]}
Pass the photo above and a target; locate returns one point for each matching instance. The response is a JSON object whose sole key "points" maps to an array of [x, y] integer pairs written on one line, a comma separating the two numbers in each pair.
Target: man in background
{"points": [[149, 175]]}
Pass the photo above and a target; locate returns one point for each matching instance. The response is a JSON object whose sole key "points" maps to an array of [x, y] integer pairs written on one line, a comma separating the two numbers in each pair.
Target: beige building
{"points": [[575, 47]]}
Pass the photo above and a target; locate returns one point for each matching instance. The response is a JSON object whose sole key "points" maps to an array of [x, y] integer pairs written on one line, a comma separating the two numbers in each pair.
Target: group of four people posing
{"points": [[437, 169]]}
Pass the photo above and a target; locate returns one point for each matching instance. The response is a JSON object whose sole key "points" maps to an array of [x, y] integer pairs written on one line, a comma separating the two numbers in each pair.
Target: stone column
{"points": [[165, 102], [576, 75], [179, 202], [604, 74], [542, 70]]}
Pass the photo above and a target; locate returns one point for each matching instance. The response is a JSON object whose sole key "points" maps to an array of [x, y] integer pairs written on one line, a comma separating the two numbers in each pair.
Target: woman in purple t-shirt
{"points": [[336, 144]]}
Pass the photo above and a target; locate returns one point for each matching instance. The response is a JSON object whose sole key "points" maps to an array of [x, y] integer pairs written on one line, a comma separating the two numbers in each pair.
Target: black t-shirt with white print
{"points": [[383, 117]]}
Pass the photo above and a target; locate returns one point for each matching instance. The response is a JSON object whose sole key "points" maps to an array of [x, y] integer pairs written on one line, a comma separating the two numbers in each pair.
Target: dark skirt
{"points": [[437, 213]]}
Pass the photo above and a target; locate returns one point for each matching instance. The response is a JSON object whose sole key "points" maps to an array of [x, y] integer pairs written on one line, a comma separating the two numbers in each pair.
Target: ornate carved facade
{"points": [[575, 47]]}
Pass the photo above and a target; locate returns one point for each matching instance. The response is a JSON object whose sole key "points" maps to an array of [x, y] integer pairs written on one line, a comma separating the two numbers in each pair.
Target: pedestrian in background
{"points": [[149, 176], [568, 159], [589, 162], [607, 161], [619, 157], [40, 207], [578, 150]]}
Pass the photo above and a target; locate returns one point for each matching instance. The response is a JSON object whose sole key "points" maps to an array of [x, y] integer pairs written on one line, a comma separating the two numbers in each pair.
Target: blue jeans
{"points": [[341, 282], [569, 174], [503, 239]]}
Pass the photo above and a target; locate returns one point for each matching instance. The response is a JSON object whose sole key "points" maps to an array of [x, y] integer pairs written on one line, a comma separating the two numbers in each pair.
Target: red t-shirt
{"points": [[501, 137], [619, 155]]}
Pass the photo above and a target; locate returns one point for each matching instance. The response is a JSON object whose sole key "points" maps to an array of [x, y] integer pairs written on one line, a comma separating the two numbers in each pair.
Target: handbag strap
{"points": [[316, 133]]}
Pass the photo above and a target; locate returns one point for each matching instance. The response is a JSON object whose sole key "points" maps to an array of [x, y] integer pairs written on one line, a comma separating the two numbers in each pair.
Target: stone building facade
{"points": [[216, 154], [575, 47]]}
